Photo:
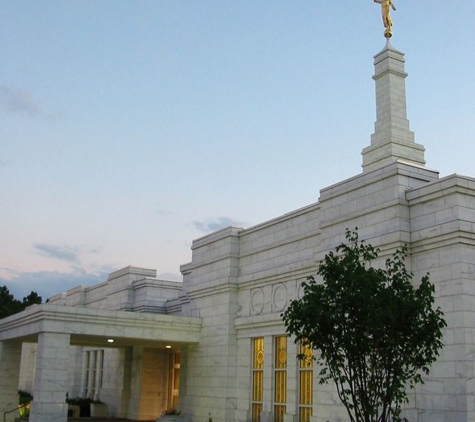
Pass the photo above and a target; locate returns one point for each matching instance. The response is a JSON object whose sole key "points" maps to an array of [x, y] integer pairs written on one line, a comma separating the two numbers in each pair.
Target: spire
{"points": [[392, 139]]}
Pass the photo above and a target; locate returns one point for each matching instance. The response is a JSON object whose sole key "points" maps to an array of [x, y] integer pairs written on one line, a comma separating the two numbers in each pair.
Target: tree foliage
{"points": [[32, 299], [9, 305], [374, 332]]}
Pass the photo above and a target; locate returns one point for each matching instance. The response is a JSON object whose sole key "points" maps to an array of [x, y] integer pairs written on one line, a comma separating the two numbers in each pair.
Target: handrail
{"points": [[16, 408]]}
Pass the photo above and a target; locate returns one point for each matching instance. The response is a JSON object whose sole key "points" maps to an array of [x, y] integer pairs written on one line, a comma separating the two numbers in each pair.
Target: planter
{"points": [[74, 411], [171, 418], [99, 410]]}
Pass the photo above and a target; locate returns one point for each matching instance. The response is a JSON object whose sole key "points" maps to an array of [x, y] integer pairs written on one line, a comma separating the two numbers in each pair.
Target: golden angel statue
{"points": [[387, 22]]}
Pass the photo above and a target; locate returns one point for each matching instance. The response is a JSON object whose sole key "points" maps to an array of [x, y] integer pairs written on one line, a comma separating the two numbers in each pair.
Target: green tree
{"points": [[373, 331], [32, 299], [9, 305]]}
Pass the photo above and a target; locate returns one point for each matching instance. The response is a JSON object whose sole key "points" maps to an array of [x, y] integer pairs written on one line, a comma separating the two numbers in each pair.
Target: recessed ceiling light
{"points": [[110, 340], [168, 346]]}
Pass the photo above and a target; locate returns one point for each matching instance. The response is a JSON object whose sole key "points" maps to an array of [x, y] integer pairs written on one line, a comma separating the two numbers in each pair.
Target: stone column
{"points": [[155, 367], [10, 358], [51, 377], [147, 384], [133, 411], [126, 357]]}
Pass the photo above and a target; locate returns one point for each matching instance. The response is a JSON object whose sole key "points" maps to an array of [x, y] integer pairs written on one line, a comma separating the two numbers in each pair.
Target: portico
{"points": [[56, 328]]}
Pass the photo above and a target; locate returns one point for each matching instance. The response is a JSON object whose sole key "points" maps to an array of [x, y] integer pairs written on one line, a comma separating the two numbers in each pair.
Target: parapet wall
{"points": [[129, 289]]}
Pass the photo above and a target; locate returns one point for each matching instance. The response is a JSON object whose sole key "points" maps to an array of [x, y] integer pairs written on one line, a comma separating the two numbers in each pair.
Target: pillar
{"points": [[147, 389], [10, 358], [135, 392], [51, 377], [126, 356]]}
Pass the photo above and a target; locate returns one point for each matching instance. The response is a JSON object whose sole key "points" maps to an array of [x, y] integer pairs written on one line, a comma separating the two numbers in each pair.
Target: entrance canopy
{"points": [[100, 327], [57, 327]]}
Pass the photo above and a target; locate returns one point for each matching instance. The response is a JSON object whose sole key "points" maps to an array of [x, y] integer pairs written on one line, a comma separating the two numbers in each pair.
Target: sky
{"points": [[128, 128]]}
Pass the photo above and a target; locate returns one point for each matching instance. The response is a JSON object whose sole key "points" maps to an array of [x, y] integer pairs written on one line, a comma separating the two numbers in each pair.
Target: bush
{"points": [[24, 401]]}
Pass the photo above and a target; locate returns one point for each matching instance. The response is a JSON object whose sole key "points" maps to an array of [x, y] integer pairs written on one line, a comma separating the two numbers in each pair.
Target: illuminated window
{"points": [[257, 379], [93, 376], [305, 384], [173, 381], [280, 378]]}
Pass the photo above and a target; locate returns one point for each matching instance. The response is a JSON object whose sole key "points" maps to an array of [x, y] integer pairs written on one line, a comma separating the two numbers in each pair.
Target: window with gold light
{"points": [[280, 378], [173, 381], [257, 379], [93, 373], [305, 384]]}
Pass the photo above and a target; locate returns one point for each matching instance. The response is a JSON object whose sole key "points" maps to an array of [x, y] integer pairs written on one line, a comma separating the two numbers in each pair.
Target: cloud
{"points": [[216, 223], [19, 101], [63, 253], [49, 283]]}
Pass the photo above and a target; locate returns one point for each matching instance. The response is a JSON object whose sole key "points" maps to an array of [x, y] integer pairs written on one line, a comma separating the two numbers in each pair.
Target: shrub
{"points": [[84, 405]]}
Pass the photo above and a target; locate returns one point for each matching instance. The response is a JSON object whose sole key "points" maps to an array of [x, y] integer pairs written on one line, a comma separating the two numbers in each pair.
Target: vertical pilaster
{"points": [[392, 139], [148, 376], [292, 381], [153, 384], [10, 357], [126, 355], [135, 382], [268, 401], [51, 379]]}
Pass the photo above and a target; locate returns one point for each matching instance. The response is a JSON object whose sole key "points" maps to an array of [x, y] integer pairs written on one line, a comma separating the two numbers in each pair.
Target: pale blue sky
{"points": [[130, 128]]}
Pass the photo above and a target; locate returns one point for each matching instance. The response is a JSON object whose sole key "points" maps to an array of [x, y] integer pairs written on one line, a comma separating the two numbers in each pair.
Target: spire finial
{"points": [[385, 11]]}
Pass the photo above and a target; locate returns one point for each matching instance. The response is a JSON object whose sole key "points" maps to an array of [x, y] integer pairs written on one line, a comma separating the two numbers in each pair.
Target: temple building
{"points": [[214, 346]]}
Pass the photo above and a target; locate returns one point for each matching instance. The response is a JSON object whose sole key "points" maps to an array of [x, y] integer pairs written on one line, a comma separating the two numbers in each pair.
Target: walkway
{"points": [[103, 420], [93, 420]]}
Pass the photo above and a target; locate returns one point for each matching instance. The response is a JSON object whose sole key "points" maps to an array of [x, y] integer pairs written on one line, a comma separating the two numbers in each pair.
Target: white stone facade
{"points": [[238, 283]]}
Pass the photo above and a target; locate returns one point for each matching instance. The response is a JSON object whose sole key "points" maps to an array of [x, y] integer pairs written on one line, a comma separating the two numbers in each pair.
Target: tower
{"points": [[392, 139]]}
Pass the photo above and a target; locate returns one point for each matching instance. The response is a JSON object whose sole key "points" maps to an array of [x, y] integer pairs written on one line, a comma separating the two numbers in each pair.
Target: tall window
{"points": [[173, 381], [257, 379], [280, 378], [305, 384], [93, 376]]}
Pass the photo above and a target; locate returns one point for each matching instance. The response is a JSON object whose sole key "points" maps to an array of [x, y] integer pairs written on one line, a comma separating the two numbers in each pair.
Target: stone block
{"points": [[431, 416]]}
